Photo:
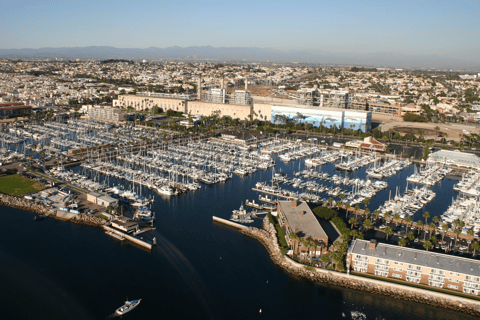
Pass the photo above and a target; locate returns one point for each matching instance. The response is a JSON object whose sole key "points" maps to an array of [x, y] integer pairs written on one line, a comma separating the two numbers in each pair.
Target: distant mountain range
{"points": [[249, 54]]}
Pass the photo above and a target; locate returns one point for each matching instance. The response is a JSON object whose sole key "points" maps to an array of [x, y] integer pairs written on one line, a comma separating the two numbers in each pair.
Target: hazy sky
{"points": [[449, 28]]}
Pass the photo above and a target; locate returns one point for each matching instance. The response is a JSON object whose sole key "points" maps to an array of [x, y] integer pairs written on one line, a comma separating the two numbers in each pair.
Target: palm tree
{"points": [[342, 196], [347, 208], [410, 236], [436, 219], [367, 212], [408, 220], [366, 202], [367, 224], [457, 232], [388, 231], [427, 245], [387, 215], [433, 229], [475, 246], [445, 228], [471, 233], [376, 213], [330, 200], [402, 242], [433, 239], [419, 225], [294, 236], [426, 215], [352, 221], [356, 210], [396, 217]]}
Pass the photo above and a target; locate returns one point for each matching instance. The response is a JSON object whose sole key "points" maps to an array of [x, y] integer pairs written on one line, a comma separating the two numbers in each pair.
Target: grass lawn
{"points": [[17, 185]]}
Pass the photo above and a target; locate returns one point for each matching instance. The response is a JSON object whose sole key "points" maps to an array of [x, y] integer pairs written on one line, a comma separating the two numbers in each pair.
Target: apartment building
{"points": [[297, 217], [393, 110], [414, 266]]}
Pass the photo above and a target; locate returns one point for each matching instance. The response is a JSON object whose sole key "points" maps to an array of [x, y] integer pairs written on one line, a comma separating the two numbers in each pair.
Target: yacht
{"points": [[127, 307]]}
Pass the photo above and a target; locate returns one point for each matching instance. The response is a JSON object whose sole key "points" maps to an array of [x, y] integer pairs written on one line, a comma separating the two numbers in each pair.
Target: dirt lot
{"points": [[453, 130]]}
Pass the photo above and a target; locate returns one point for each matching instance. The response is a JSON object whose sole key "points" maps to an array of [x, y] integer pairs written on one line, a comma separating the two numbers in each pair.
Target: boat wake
{"points": [[186, 270], [112, 316]]}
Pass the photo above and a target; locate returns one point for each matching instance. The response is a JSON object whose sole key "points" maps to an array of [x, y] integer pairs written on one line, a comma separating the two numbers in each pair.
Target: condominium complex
{"points": [[415, 266]]}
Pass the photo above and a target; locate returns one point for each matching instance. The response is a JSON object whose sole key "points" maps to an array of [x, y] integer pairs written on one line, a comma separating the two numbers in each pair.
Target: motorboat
{"points": [[127, 307]]}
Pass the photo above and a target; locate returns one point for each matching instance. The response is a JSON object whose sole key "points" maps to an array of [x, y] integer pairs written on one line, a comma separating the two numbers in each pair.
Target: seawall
{"points": [[268, 237]]}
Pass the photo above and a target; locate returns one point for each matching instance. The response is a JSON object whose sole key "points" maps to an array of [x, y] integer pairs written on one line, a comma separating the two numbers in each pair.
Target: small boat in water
{"points": [[39, 217], [127, 307]]}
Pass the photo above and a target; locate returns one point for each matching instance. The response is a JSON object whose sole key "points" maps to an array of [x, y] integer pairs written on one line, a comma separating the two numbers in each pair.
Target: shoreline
{"points": [[37, 208], [268, 238]]}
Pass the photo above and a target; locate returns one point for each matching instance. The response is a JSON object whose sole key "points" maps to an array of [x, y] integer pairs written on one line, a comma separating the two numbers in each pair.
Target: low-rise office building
{"points": [[414, 266], [297, 217]]}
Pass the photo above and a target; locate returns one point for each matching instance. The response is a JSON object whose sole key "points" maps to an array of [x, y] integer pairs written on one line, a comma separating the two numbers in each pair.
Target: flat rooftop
{"points": [[302, 220]]}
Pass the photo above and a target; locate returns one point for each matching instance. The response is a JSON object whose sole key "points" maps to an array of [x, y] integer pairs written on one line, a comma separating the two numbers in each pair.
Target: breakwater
{"points": [[39, 208], [268, 237]]}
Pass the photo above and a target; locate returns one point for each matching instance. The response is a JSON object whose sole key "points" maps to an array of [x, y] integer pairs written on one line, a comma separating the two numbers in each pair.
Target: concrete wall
{"points": [[203, 108], [141, 103], [262, 109]]}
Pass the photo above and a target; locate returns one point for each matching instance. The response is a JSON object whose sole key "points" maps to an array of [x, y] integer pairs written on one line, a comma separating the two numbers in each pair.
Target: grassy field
{"points": [[17, 185]]}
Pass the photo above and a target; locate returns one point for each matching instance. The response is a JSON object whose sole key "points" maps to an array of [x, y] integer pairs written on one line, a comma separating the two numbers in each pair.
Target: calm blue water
{"points": [[199, 269]]}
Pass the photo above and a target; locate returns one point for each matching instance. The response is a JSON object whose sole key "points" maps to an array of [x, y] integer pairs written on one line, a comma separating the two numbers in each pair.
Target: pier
{"points": [[128, 237], [229, 223]]}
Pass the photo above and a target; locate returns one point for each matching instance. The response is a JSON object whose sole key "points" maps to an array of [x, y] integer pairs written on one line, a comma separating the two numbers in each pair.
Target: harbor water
{"points": [[199, 269]]}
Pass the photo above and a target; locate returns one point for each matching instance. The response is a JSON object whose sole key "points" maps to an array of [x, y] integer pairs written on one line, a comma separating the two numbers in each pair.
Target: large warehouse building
{"points": [[328, 117]]}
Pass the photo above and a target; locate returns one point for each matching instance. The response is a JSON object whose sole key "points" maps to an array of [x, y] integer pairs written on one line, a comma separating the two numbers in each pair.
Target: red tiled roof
{"points": [[11, 104]]}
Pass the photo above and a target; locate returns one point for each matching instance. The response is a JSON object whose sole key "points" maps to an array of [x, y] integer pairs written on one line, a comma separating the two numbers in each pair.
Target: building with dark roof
{"points": [[414, 266], [297, 217]]}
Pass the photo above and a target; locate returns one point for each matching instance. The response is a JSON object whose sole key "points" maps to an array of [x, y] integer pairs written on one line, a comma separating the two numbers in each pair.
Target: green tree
{"points": [[426, 215], [325, 259], [432, 227], [367, 224], [352, 222], [427, 245], [330, 200], [408, 220], [419, 225], [376, 213], [356, 210], [388, 231], [445, 228], [410, 235], [475, 246], [396, 217], [402, 242], [433, 239], [367, 212], [347, 208], [457, 232], [366, 202]]}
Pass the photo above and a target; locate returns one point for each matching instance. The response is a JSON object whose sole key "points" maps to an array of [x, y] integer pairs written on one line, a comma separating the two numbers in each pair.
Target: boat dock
{"points": [[229, 223], [126, 236]]}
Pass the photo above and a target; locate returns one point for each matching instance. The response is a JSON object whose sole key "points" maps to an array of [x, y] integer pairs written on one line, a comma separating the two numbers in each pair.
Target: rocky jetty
{"points": [[268, 237], [38, 208]]}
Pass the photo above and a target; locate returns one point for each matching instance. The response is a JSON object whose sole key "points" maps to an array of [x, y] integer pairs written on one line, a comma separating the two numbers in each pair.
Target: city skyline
{"points": [[404, 28]]}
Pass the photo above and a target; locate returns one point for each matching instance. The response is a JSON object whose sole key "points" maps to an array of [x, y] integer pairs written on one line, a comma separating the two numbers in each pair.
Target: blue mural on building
{"points": [[356, 120]]}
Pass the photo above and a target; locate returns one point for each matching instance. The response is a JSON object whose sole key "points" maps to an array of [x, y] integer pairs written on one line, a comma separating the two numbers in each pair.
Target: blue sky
{"points": [[447, 28]]}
